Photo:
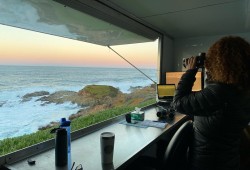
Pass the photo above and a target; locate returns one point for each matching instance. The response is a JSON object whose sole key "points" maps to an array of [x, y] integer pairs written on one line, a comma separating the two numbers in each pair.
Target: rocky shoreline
{"points": [[92, 98]]}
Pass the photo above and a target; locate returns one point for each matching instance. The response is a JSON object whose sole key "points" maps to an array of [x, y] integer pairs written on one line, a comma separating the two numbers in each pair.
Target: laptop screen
{"points": [[166, 91]]}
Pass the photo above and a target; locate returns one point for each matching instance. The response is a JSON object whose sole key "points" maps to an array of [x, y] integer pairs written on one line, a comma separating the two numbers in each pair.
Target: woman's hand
{"points": [[191, 63]]}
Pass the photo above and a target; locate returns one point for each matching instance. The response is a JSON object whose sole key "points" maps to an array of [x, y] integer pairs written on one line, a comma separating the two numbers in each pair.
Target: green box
{"points": [[137, 116]]}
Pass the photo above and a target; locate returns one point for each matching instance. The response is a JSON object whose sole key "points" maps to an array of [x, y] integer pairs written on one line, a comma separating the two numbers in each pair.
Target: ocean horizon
{"points": [[18, 118]]}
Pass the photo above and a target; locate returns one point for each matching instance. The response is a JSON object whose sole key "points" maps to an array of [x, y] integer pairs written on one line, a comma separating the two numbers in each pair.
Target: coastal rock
{"points": [[94, 98], [99, 91], [29, 96], [60, 97], [133, 99], [2, 103], [100, 94], [133, 88], [50, 125], [89, 96], [140, 95]]}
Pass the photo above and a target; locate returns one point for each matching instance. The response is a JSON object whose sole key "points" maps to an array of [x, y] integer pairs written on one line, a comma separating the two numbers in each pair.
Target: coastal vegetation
{"points": [[98, 103]]}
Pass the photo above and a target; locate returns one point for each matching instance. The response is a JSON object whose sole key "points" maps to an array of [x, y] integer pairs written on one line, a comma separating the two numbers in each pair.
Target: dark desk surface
{"points": [[129, 141]]}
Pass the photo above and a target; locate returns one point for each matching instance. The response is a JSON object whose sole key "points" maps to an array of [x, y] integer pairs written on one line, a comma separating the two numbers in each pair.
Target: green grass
{"points": [[13, 144], [99, 91]]}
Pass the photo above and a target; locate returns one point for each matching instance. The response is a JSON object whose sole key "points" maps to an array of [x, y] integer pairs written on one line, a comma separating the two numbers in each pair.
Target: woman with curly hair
{"points": [[221, 110]]}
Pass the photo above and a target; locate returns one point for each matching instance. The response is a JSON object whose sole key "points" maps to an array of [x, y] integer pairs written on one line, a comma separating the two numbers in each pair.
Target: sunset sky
{"points": [[23, 47]]}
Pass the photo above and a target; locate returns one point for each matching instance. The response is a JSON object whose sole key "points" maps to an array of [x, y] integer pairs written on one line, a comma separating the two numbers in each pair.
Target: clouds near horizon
{"points": [[23, 47]]}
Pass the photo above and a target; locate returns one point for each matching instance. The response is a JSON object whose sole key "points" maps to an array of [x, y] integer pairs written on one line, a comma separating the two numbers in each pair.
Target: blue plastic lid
{"points": [[64, 122]]}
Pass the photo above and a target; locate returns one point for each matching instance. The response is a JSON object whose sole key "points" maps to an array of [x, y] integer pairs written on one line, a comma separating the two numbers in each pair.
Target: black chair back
{"points": [[175, 157]]}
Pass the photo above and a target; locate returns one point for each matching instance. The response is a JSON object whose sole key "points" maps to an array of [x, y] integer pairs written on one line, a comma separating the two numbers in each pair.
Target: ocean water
{"points": [[18, 118]]}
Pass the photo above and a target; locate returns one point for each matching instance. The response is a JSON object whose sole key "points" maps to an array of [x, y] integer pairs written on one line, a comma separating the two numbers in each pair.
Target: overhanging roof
{"points": [[127, 21], [54, 18]]}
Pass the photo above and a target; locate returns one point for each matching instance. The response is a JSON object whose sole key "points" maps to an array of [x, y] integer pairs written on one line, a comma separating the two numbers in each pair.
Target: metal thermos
{"points": [[66, 125], [61, 148]]}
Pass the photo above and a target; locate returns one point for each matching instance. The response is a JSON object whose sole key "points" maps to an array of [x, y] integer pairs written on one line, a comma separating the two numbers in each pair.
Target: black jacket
{"points": [[220, 113]]}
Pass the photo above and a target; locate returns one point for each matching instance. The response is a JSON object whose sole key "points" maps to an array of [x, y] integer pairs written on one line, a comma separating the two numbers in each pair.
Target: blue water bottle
{"points": [[66, 124]]}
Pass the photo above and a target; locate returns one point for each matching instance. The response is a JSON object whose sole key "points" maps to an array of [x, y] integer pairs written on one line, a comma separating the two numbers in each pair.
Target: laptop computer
{"points": [[165, 92]]}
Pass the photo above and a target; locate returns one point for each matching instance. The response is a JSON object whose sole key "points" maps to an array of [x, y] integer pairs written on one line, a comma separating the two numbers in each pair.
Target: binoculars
{"points": [[199, 60], [165, 113]]}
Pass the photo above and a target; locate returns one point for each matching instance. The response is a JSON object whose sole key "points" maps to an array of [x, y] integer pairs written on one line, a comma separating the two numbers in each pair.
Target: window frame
{"points": [[123, 20]]}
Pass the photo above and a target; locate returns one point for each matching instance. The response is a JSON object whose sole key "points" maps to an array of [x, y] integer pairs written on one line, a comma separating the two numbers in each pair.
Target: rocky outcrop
{"points": [[93, 98], [89, 96], [133, 99], [2, 103], [60, 97], [99, 91], [29, 96]]}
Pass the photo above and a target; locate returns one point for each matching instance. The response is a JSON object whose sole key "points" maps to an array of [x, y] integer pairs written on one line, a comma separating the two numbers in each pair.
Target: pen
{"points": [[160, 121], [73, 166]]}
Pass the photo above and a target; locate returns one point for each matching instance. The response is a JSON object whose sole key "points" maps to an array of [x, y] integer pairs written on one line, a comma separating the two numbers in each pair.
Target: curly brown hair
{"points": [[228, 61]]}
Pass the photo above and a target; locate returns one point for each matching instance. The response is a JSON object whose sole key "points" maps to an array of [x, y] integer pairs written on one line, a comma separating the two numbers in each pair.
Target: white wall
{"points": [[184, 48], [166, 57]]}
